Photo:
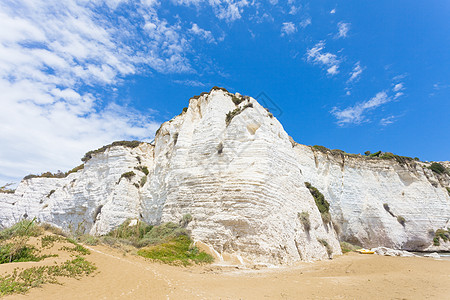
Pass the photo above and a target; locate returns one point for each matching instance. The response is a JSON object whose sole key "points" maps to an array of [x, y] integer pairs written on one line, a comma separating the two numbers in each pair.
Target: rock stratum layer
{"points": [[229, 163]]}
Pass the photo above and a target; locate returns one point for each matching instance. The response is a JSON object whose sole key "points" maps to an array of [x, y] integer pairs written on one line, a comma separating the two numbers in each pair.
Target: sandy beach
{"points": [[350, 276]]}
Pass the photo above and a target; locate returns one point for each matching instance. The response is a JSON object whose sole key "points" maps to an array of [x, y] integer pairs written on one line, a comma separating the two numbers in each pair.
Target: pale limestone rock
{"points": [[392, 252], [434, 255], [242, 180]]}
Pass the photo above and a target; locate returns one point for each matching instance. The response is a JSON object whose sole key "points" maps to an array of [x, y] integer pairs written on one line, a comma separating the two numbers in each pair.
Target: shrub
{"points": [[143, 181], [76, 169], [187, 218], [185, 109], [143, 169], [437, 168], [127, 175], [304, 219], [442, 234], [436, 241], [327, 246], [321, 148], [129, 144], [367, 153], [376, 154], [4, 189], [322, 204], [401, 220], [448, 190], [131, 233], [217, 88], [230, 115], [347, 247], [24, 228], [236, 100], [177, 250]]}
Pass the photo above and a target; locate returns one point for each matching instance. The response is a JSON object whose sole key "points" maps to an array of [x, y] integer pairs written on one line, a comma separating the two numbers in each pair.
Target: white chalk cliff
{"points": [[229, 163]]}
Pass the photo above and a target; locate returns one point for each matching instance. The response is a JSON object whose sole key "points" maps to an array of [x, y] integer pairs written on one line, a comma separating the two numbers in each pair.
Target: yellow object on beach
{"points": [[365, 251]]}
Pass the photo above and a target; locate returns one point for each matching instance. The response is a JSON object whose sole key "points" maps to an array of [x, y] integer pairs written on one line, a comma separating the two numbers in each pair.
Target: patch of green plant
{"points": [[47, 241], [237, 100], [143, 181], [441, 234], [321, 148], [177, 250], [78, 248], [17, 252], [218, 88], [185, 109], [162, 233], [130, 234], [304, 219], [230, 115], [322, 204], [437, 168], [129, 144], [376, 154], [21, 282], [347, 247], [448, 190], [24, 228], [143, 169], [367, 153], [327, 246], [6, 190], [401, 220], [127, 175]]}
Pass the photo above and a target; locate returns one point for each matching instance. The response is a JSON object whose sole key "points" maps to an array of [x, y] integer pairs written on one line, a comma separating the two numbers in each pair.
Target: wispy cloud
{"points": [[357, 114], [398, 87], [388, 120], [304, 23], [189, 82], [288, 28], [356, 72], [333, 11], [228, 10], [202, 33], [316, 55], [343, 29]]}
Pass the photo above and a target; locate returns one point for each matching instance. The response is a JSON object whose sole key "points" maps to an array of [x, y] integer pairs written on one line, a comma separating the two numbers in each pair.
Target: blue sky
{"points": [[356, 76]]}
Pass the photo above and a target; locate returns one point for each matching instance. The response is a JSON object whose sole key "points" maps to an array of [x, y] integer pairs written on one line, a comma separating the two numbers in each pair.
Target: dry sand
{"points": [[351, 276]]}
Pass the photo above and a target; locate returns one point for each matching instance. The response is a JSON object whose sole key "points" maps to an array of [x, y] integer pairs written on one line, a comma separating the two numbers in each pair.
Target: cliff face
{"points": [[369, 198], [230, 165]]}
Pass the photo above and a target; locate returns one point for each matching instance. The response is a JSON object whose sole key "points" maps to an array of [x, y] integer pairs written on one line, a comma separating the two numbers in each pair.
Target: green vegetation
{"points": [[127, 175], [143, 181], [327, 246], [376, 154], [304, 219], [448, 190], [58, 174], [185, 109], [367, 153], [24, 228], [347, 247], [175, 251], [143, 169], [218, 88], [322, 204], [20, 282], [129, 144], [237, 100], [230, 115], [19, 252], [438, 168], [401, 220], [321, 148], [6, 190], [441, 234]]}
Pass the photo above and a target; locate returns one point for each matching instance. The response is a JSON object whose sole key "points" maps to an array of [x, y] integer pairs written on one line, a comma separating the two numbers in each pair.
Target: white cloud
{"points": [[55, 56], [333, 70], [316, 55], [189, 82], [388, 121], [398, 87], [288, 28], [356, 72], [333, 11], [304, 23], [228, 10], [343, 29], [204, 34], [356, 114]]}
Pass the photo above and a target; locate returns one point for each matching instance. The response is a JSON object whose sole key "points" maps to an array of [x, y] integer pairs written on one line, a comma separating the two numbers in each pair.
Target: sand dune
{"points": [[351, 276]]}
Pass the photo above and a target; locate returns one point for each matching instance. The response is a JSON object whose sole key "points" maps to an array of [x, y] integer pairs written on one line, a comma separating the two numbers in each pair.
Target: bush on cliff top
{"points": [[438, 168], [129, 144]]}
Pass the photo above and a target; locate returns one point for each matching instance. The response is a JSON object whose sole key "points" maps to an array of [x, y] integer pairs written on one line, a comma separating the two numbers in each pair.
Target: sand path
{"points": [[352, 276]]}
